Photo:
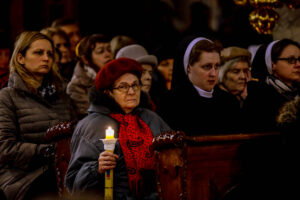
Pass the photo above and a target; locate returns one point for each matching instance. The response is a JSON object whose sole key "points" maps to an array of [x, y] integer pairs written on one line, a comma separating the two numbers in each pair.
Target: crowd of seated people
{"points": [[89, 82]]}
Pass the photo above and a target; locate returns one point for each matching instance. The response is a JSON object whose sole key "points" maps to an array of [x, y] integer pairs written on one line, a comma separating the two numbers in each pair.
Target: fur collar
{"points": [[290, 112]]}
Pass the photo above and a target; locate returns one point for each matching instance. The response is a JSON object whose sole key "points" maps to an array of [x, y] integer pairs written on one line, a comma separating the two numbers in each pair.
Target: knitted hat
{"points": [[234, 52], [138, 53], [112, 70]]}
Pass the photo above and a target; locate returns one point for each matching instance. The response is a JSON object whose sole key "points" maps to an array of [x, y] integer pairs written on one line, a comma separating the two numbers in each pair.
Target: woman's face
{"points": [[63, 47], [127, 99], [287, 72], [205, 72], [38, 58], [101, 54], [235, 79], [146, 77], [165, 67], [73, 32]]}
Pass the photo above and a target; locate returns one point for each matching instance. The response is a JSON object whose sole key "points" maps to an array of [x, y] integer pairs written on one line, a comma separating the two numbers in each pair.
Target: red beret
{"points": [[112, 70]]}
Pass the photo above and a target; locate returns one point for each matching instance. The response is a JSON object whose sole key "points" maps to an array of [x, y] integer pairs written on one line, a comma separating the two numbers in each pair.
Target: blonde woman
{"points": [[62, 45], [33, 101]]}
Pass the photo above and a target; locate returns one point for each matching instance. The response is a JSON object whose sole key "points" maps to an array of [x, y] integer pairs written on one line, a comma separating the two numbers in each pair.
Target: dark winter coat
{"points": [[235, 111], [24, 119], [82, 175], [78, 89], [289, 126], [262, 107]]}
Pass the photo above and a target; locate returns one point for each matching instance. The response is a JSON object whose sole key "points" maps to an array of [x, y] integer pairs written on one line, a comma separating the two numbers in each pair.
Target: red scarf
{"points": [[136, 142]]}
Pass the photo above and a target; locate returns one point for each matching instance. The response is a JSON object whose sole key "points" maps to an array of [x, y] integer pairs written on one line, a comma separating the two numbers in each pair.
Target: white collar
{"points": [[204, 93]]}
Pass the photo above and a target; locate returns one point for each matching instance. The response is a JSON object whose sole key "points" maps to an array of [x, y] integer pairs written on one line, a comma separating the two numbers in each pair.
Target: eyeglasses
{"points": [[125, 87], [290, 60]]}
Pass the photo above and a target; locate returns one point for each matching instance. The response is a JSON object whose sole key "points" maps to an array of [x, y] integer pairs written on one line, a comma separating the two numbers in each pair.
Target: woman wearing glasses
{"points": [[277, 67], [115, 102]]}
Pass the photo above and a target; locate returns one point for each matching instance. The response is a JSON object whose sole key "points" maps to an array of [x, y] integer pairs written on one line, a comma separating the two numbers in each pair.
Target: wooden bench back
{"points": [[206, 167]]}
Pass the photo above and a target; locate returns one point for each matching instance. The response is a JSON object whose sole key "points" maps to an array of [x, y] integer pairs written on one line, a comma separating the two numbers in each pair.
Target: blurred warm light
{"points": [[292, 4], [265, 3], [263, 20], [240, 2]]}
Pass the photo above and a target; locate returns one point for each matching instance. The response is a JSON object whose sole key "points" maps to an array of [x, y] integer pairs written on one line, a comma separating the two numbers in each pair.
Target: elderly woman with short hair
{"points": [[234, 75], [235, 72], [116, 102]]}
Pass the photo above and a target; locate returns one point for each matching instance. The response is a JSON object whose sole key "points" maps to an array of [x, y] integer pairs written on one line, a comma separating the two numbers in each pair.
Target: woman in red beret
{"points": [[116, 102]]}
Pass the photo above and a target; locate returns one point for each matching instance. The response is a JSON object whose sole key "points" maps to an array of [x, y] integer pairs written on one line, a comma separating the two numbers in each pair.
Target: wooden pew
{"points": [[209, 167]]}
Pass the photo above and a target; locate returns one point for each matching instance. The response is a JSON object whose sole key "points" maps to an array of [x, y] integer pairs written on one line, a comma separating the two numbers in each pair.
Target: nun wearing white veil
{"points": [[277, 67], [192, 105]]}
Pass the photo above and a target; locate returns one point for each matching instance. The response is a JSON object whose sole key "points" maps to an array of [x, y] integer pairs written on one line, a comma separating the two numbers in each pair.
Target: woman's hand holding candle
{"points": [[107, 161]]}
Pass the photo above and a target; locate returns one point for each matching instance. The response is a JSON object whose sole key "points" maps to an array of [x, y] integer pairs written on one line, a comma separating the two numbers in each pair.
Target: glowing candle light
{"points": [[109, 133], [109, 145]]}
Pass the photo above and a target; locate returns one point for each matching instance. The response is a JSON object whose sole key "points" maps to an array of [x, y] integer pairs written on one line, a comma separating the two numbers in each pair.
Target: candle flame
{"points": [[109, 133]]}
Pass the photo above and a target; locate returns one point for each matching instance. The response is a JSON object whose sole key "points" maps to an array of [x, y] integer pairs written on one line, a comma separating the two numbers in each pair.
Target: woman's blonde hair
{"points": [[51, 32], [22, 44]]}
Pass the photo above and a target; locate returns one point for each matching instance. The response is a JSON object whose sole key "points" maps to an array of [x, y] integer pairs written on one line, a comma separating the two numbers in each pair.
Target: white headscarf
{"points": [[188, 51], [186, 63], [268, 58]]}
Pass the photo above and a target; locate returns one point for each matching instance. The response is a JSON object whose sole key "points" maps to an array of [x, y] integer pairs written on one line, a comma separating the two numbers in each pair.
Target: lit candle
{"points": [[109, 133], [109, 145]]}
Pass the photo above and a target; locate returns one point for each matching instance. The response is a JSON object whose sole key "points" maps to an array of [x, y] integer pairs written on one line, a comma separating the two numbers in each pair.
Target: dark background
{"points": [[150, 22]]}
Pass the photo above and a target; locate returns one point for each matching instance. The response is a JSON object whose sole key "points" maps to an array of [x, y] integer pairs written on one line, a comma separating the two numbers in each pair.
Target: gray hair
{"points": [[228, 65]]}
